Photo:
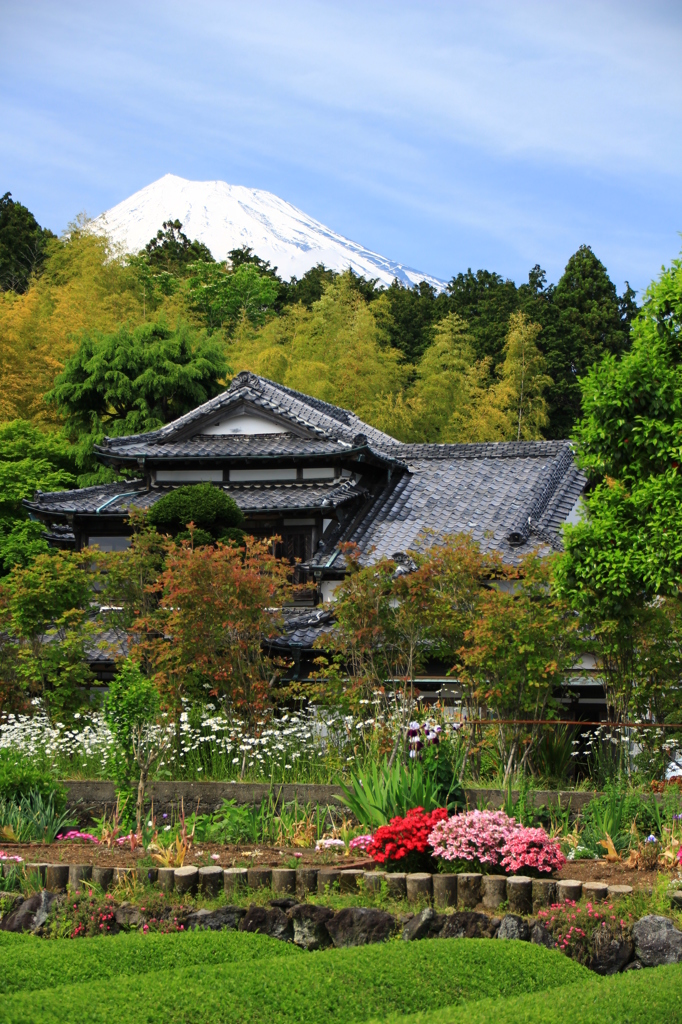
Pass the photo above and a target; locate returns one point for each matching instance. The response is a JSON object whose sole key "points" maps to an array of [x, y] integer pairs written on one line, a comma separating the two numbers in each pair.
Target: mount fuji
{"points": [[226, 217]]}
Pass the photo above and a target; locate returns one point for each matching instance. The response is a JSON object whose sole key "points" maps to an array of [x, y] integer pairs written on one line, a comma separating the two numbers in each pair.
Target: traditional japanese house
{"points": [[317, 476]]}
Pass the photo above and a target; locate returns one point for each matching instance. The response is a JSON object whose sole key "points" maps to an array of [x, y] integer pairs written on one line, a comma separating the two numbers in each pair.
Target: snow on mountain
{"points": [[226, 217]]}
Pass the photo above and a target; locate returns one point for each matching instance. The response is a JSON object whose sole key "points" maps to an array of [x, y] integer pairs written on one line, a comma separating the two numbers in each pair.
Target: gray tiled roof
{"points": [[310, 415], [507, 501], [233, 446], [118, 499]]}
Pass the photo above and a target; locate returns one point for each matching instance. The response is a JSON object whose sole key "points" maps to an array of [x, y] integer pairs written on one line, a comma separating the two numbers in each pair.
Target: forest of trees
{"points": [[94, 341]]}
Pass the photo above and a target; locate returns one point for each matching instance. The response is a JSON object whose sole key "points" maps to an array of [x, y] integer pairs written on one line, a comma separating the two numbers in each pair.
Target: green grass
{"points": [[638, 997], [43, 964], [330, 987]]}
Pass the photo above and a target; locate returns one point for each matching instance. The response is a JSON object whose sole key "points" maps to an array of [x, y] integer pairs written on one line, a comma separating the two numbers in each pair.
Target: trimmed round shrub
{"points": [[207, 506]]}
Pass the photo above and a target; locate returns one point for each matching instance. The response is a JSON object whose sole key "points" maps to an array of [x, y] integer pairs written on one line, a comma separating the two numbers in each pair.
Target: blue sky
{"points": [[443, 135]]}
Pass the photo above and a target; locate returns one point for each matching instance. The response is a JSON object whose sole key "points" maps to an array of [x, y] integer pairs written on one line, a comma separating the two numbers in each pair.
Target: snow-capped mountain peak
{"points": [[226, 217]]}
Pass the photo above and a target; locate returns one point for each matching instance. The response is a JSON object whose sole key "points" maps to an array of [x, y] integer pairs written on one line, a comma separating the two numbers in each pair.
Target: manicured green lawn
{"points": [[651, 996], [44, 963], [330, 987]]}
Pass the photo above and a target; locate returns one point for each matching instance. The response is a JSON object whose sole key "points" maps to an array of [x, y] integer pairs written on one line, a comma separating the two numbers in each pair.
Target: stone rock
{"points": [[676, 898], [469, 925], [222, 919], [610, 955], [657, 941], [427, 925], [360, 926], [310, 925], [128, 915], [29, 915], [270, 921], [540, 936], [514, 927], [284, 902]]}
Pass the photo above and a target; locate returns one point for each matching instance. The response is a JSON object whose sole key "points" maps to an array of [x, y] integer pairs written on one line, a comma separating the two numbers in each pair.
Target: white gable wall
{"points": [[245, 423]]}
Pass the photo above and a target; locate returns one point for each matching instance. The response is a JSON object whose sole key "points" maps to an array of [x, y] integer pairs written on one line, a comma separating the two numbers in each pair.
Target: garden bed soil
{"points": [[612, 874], [84, 852]]}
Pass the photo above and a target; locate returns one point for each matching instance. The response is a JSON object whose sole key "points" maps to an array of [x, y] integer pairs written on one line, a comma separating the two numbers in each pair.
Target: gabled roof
{"points": [[305, 416]]}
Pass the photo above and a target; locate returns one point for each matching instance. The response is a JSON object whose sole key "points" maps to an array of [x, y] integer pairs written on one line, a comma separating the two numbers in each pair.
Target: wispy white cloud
{"points": [[455, 132]]}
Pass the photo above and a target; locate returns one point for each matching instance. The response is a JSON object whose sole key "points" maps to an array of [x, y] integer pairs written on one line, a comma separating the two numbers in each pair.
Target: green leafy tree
{"points": [[23, 245], [623, 564], [46, 615], [520, 644], [134, 380], [30, 460], [223, 296], [309, 288], [133, 713]]}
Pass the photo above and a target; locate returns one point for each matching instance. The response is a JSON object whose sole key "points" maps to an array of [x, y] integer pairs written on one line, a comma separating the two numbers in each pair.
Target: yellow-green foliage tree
{"points": [[336, 351], [85, 285]]}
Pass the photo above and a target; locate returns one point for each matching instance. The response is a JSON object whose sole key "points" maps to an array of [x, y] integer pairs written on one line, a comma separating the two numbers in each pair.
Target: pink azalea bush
{"points": [[477, 837], [491, 839], [531, 849]]}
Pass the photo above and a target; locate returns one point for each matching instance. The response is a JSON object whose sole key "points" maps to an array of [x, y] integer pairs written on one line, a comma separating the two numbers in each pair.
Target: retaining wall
{"points": [[90, 799]]}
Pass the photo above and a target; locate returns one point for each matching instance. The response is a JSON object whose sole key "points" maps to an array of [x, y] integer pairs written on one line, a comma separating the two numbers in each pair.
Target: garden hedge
{"points": [[42, 964], [652, 996], [344, 986]]}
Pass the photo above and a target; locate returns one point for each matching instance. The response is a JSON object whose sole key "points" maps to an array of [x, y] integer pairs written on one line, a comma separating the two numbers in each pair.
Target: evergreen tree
{"points": [[589, 321], [485, 301], [172, 252], [412, 314], [310, 288], [23, 245]]}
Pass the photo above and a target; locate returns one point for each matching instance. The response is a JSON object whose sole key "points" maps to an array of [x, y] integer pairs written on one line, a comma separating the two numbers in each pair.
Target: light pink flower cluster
{"points": [[78, 835], [8, 856], [475, 836], [491, 838], [360, 842]]}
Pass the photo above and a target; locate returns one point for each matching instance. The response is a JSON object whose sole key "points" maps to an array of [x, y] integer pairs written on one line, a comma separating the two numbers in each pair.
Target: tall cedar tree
{"points": [[23, 245], [171, 250], [589, 320]]}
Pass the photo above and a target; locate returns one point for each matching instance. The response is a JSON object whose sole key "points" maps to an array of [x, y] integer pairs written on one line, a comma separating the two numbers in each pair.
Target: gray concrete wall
{"points": [[89, 799]]}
